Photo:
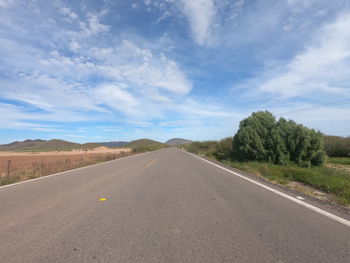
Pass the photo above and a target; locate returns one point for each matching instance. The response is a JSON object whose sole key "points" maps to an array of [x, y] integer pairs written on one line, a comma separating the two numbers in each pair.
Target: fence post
{"points": [[8, 171]]}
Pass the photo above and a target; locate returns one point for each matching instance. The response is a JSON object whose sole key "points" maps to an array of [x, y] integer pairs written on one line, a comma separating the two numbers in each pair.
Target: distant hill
{"points": [[61, 145], [25, 145], [42, 145], [177, 141], [56, 145], [113, 144], [144, 145]]}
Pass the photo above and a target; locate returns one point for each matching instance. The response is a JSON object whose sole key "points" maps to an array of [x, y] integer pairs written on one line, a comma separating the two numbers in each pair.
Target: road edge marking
{"points": [[72, 170], [291, 198]]}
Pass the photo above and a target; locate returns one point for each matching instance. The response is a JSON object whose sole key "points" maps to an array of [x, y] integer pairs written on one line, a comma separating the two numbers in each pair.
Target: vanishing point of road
{"points": [[162, 206]]}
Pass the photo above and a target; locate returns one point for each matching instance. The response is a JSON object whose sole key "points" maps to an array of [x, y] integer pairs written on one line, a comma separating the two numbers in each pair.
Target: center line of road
{"points": [[148, 165]]}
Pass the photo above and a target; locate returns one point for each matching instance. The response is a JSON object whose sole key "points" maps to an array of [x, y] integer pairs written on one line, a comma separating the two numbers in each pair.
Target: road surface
{"points": [[163, 206]]}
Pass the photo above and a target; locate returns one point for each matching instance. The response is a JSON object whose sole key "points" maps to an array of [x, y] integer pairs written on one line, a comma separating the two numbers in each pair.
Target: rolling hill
{"points": [[177, 141], [16, 146], [61, 145], [42, 145]]}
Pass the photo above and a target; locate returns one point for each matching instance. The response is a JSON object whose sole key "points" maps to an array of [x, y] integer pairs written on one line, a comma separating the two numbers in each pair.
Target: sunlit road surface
{"points": [[163, 206]]}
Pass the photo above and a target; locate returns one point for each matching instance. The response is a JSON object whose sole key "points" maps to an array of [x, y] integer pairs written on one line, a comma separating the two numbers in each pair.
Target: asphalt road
{"points": [[164, 206]]}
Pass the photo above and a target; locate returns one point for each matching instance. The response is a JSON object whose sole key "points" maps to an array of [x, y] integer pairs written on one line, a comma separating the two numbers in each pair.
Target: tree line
{"points": [[336, 146]]}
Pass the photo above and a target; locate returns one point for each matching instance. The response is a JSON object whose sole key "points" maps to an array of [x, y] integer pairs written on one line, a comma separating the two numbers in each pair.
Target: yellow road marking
{"points": [[148, 165], [102, 199]]}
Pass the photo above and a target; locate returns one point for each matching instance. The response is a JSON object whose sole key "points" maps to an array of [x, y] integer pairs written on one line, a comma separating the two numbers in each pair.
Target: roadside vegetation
{"points": [[145, 145], [283, 152], [13, 172], [339, 160], [336, 146]]}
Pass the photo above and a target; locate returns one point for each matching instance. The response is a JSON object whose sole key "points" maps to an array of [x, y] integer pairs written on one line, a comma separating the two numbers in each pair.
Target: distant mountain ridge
{"points": [[17, 145], [43, 145], [62, 145], [177, 141]]}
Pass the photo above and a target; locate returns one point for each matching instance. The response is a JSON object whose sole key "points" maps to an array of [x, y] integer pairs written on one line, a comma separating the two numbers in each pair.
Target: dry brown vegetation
{"points": [[15, 167]]}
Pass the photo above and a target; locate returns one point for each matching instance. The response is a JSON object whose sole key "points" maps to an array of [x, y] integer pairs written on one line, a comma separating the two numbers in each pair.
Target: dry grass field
{"points": [[15, 166]]}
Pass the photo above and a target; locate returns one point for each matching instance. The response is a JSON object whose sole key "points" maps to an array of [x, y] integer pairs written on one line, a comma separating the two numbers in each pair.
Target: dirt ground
{"points": [[344, 168], [24, 161]]}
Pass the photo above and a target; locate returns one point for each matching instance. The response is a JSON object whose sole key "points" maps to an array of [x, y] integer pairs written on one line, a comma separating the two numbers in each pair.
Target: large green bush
{"points": [[261, 138]]}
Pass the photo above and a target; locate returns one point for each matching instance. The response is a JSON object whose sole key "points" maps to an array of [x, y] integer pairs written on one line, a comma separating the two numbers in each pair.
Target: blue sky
{"points": [[122, 70]]}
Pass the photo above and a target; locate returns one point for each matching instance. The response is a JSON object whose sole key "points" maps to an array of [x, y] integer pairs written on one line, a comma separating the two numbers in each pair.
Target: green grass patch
{"points": [[323, 178], [339, 160]]}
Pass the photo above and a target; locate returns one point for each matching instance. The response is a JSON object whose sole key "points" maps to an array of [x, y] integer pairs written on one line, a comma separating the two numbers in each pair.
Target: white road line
{"points": [[81, 168], [293, 199]]}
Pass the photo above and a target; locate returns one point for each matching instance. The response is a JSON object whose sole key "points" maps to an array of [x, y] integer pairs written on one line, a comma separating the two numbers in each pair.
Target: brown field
{"points": [[16, 166]]}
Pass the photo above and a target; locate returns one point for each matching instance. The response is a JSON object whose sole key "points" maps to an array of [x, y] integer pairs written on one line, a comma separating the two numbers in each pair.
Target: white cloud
{"points": [[127, 62], [48, 93], [205, 110], [201, 15], [159, 72], [71, 16], [88, 28], [95, 77], [327, 118], [20, 117], [74, 46], [141, 67], [6, 3], [94, 26], [323, 67], [116, 97]]}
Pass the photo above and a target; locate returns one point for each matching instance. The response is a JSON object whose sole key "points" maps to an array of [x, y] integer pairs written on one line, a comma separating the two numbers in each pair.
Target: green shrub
{"points": [[223, 149], [208, 148], [319, 158], [261, 138]]}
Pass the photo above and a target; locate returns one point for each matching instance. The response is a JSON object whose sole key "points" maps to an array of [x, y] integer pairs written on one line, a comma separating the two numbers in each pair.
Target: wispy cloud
{"points": [[6, 3], [71, 16], [201, 15], [87, 75], [320, 69]]}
